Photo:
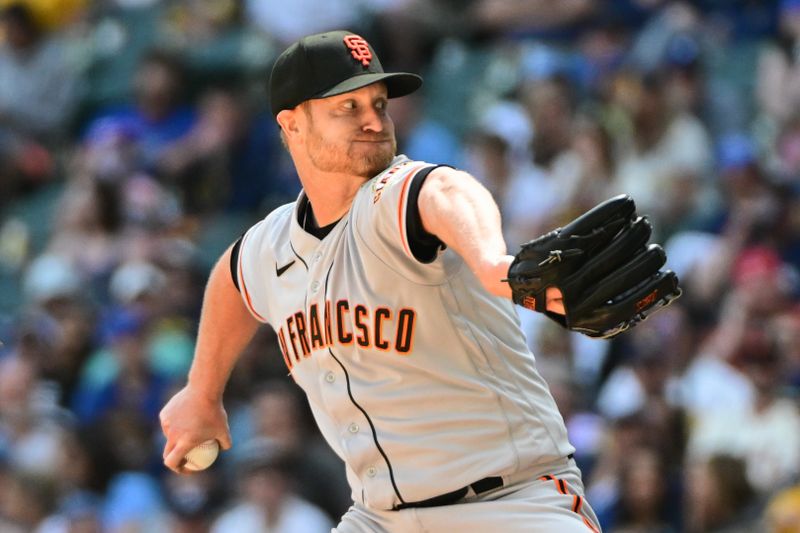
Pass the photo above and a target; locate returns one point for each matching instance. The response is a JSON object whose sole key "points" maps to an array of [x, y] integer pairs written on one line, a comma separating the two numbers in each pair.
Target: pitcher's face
{"points": [[350, 133]]}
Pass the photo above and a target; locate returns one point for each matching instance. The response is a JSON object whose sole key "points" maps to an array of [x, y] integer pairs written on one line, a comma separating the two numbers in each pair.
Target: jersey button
{"points": [[317, 257], [315, 286], [371, 471], [329, 377], [353, 428]]}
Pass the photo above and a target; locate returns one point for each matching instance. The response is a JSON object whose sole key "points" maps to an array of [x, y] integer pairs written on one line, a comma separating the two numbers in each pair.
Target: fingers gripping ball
{"points": [[201, 456], [609, 276]]}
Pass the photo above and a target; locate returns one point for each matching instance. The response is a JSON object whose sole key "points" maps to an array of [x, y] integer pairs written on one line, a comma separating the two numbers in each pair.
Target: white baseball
{"points": [[201, 456]]}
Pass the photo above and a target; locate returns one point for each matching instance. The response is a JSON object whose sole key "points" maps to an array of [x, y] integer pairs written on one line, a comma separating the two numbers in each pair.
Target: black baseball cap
{"points": [[331, 63]]}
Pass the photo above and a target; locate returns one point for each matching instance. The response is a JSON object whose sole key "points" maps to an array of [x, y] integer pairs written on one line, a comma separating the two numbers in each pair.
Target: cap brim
{"points": [[397, 84]]}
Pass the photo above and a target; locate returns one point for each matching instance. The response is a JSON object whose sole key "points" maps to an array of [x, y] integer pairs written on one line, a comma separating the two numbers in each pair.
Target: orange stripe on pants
{"points": [[577, 501]]}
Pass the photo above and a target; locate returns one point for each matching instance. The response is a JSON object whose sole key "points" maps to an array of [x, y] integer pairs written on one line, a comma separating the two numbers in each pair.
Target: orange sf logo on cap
{"points": [[358, 48]]}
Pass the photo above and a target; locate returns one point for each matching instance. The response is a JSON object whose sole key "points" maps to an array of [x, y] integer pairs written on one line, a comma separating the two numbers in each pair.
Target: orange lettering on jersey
{"points": [[315, 330], [366, 329], [404, 341], [282, 342], [379, 185], [381, 314], [328, 335], [345, 337], [359, 49], [300, 324], [292, 336], [361, 317]]}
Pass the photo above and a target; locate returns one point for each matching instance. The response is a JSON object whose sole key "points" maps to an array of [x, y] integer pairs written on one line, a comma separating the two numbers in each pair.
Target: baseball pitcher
{"points": [[391, 293]]}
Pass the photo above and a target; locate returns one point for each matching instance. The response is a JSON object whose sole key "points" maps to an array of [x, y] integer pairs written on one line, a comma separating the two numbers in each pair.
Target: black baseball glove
{"points": [[609, 276]]}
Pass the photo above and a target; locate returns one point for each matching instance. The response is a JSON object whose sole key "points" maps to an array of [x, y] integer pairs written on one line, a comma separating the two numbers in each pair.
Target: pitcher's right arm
{"points": [[196, 414]]}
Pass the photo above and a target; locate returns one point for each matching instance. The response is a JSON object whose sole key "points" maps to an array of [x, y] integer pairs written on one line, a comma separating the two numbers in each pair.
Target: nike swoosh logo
{"points": [[281, 270]]}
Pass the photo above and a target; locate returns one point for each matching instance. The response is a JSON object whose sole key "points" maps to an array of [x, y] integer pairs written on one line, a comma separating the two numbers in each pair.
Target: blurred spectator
{"points": [[710, 383], [29, 420], [645, 493], [193, 501], [58, 345], [778, 76], [159, 113], [412, 29], [56, 332], [550, 107], [421, 136], [498, 153], [750, 215], [216, 44], [266, 501], [787, 335], [140, 288], [278, 415], [666, 151], [229, 159], [136, 285], [178, 260], [784, 162], [133, 385], [589, 166], [530, 193], [39, 88], [88, 228], [134, 503], [672, 25], [27, 501], [38, 93], [603, 485], [291, 21], [496, 15], [79, 513], [719, 498], [770, 447]]}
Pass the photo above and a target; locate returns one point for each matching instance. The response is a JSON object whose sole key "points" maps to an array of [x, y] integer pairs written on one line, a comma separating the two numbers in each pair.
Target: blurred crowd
{"points": [[136, 145]]}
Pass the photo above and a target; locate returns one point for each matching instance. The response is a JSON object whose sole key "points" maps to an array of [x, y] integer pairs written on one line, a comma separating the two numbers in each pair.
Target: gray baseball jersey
{"points": [[419, 379]]}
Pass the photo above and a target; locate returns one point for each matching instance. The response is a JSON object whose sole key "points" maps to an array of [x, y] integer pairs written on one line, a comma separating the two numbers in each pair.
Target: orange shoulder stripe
{"points": [[577, 501], [244, 286]]}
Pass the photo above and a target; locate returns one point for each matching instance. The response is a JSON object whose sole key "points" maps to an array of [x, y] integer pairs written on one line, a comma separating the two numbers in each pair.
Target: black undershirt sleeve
{"points": [[424, 246], [235, 262]]}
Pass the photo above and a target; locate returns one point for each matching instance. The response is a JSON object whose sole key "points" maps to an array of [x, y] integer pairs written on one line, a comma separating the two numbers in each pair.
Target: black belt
{"points": [[480, 486]]}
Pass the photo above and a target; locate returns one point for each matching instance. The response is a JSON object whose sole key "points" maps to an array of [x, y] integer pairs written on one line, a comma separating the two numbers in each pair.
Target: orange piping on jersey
{"points": [[590, 525], [244, 286], [577, 501], [400, 211], [380, 343]]}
